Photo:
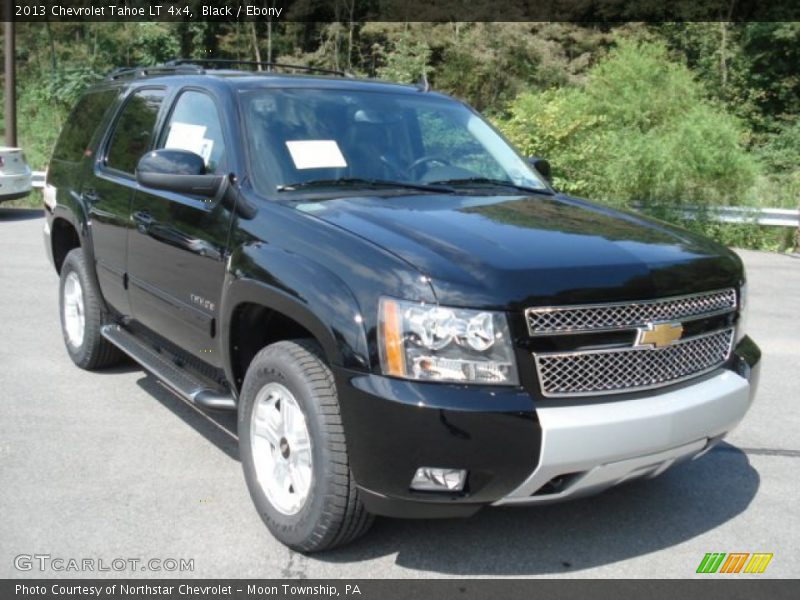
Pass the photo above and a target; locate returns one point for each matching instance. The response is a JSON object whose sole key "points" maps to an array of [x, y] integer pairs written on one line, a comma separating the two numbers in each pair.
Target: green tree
{"points": [[406, 61], [639, 129]]}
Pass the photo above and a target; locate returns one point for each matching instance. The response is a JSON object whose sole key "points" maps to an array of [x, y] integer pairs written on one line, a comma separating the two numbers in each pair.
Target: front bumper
{"points": [[393, 427], [518, 452], [47, 234], [588, 448]]}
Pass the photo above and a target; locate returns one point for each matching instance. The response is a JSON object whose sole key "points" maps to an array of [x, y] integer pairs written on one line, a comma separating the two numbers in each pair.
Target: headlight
{"points": [[435, 343], [741, 323]]}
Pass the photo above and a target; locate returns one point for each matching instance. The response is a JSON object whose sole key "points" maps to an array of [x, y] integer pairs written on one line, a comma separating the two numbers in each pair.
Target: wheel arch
{"points": [[255, 323], [255, 313], [63, 238], [71, 216]]}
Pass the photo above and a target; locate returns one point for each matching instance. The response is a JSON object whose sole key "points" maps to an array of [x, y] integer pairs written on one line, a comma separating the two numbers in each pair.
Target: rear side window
{"points": [[81, 125], [134, 130]]}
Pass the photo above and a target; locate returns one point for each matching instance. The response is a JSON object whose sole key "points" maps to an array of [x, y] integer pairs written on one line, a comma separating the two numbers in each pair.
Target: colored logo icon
{"points": [[734, 562]]}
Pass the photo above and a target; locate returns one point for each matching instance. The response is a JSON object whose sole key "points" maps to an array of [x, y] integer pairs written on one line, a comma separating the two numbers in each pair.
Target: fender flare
{"points": [[300, 289], [75, 214]]}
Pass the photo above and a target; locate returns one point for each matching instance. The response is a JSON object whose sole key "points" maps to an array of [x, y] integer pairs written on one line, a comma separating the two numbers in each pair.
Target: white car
{"points": [[15, 174]]}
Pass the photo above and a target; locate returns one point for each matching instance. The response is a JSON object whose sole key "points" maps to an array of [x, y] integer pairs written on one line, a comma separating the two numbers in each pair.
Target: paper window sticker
{"points": [[316, 154], [186, 136]]}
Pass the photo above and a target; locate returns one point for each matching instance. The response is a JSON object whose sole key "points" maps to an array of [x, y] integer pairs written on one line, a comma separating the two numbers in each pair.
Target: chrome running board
{"points": [[179, 380]]}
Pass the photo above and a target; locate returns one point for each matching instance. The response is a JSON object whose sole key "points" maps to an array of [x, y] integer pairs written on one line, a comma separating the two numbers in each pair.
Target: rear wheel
{"points": [[294, 452], [82, 316]]}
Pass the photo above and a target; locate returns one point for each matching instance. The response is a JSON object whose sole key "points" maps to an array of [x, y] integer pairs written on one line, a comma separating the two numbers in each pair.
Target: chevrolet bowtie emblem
{"points": [[658, 335]]}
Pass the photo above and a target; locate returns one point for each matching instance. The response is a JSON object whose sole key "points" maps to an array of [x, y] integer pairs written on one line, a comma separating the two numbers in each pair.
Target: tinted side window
{"points": [[134, 130], [195, 126], [83, 121]]}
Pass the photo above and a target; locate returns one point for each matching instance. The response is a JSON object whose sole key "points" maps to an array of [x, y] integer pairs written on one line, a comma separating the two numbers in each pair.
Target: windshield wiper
{"points": [[494, 182], [357, 181]]}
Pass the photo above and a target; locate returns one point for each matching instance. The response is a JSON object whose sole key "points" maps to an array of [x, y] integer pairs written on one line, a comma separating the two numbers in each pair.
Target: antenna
{"points": [[422, 83]]}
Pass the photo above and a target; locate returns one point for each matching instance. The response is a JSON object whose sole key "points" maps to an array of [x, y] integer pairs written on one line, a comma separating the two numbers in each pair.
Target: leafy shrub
{"points": [[781, 157], [39, 123], [782, 152], [638, 129], [406, 62]]}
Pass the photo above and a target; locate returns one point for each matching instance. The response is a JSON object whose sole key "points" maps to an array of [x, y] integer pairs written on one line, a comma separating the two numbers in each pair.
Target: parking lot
{"points": [[110, 465]]}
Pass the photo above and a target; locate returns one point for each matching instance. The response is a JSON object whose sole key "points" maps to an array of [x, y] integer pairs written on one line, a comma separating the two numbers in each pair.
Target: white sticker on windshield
{"points": [[316, 154]]}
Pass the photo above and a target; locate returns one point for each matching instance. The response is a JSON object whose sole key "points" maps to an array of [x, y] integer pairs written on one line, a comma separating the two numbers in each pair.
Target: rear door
{"points": [[177, 246], [80, 135], [109, 190]]}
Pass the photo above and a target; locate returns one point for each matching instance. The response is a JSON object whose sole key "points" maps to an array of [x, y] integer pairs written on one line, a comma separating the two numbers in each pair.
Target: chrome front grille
{"points": [[654, 357], [628, 369], [627, 315]]}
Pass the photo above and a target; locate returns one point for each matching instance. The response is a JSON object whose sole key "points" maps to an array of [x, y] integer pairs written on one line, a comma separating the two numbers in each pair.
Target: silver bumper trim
{"points": [[587, 448]]}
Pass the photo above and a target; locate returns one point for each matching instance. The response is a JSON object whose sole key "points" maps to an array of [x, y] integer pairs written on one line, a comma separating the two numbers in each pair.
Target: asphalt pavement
{"points": [[109, 465]]}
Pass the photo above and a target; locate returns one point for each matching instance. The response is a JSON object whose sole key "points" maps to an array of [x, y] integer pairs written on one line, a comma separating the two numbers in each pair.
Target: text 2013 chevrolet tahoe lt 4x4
{"points": [[409, 320]]}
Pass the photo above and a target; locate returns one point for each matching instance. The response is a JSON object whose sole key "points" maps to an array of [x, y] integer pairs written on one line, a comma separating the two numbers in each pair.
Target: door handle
{"points": [[143, 220], [90, 196]]}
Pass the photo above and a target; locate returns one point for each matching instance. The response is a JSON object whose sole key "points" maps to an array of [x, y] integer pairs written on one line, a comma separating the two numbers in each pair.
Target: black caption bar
{"points": [[450, 589], [594, 11]]}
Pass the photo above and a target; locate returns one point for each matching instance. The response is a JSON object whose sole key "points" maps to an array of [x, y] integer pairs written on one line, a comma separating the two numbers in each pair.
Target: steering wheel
{"points": [[395, 169], [430, 158]]}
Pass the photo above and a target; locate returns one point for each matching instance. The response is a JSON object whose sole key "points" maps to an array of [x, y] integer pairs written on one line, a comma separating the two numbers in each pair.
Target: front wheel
{"points": [[82, 316], [294, 452]]}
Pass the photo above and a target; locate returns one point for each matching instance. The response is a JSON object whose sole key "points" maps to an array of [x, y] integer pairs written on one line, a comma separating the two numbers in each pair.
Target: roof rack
{"points": [[134, 72], [216, 62], [196, 66]]}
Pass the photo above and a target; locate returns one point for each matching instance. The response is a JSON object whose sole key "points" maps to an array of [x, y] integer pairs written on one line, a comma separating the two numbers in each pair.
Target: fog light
{"points": [[430, 479], [744, 369]]}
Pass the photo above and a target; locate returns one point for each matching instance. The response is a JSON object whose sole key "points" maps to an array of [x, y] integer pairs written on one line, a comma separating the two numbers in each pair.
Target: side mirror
{"points": [[542, 166], [177, 171]]}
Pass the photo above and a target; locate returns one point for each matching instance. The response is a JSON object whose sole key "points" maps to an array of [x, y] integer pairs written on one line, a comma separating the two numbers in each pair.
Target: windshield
{"points": [[302, 138]]}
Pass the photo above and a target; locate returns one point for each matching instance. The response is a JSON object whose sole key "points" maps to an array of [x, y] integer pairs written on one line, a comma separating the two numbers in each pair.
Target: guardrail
{"points": [[777, 217]]}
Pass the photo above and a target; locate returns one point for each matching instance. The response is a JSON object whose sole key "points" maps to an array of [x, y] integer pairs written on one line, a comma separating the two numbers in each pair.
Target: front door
{"points": [[177, 246]]}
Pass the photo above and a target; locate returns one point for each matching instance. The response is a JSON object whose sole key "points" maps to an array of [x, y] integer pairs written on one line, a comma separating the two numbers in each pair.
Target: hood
{"points": [[514, 252]]}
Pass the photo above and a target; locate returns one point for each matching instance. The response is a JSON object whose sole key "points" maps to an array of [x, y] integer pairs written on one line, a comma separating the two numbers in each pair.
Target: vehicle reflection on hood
{"points": [[496, 250]]}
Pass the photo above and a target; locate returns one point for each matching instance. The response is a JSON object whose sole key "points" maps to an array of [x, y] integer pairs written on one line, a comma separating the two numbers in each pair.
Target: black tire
{"points": [[332, 514], [94, 351]]}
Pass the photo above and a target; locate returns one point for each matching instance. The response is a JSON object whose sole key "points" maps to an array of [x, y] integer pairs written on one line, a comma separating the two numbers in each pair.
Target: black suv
{"points": [[408, 318]]}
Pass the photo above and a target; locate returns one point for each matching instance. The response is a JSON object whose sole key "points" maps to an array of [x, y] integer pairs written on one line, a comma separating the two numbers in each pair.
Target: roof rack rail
{"points": [[216, 62], [143, 71]]}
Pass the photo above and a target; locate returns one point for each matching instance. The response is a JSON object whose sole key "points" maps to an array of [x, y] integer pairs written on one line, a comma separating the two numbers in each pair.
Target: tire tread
{"points": [[345, 517], [100, 352]]}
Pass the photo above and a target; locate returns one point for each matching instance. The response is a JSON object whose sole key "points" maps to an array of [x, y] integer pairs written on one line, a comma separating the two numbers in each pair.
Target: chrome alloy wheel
{"points": [[281, 448], [74, 312]]}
